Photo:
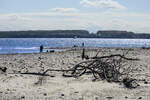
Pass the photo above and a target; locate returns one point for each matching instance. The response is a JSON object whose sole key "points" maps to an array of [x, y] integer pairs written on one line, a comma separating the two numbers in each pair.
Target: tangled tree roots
{"points": [[111, 68]]}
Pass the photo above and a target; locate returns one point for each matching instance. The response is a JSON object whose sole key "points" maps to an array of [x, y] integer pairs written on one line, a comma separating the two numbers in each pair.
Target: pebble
{"points": [[22, 97], [62, 95], [140, 98], [52, 75], [76, 92], [96, 98], [45, 94], [145, 82], [126, 97], [109, 97]]}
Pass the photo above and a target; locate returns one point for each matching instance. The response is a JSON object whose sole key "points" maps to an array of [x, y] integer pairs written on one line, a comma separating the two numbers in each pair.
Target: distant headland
{"points": [[72, 34]]}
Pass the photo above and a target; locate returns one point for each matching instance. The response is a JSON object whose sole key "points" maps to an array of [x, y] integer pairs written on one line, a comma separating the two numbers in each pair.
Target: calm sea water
{"points": [[31, 45]]}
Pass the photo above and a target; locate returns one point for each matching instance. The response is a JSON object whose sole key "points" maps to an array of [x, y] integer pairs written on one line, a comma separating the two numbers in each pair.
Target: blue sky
{"points": [[92, 15]]}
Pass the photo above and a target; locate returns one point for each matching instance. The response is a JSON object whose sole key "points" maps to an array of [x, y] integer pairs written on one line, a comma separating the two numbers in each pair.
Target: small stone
{"points": [[45, 94], [96, 98], [62, 95], [145, 82], [109, 97], [21, 75], [22, 97], [52, 75], [93, 80], [126, 97], [19, 71], [7, 89], [76, 92], [140, 98]]}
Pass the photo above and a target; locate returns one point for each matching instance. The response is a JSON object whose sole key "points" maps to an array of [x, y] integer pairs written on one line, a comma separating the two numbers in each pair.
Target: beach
{"points": [[17, 86]]}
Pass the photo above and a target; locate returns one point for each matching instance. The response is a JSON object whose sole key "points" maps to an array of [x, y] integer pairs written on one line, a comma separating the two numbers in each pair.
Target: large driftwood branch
{"points": [[116, 55], [34, 73], [104, 67], [57, 70], [80, 69], [44, 73]]}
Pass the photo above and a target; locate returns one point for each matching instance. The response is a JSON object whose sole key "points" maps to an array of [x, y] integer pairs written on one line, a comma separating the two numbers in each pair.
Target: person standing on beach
{"points": [[41, 48], [83, 44]]}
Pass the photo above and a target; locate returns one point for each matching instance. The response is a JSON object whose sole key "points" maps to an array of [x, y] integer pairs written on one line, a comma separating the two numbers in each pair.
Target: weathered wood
{"points": [[33, 73], [4, 69], [110, 68], [116, 55]]}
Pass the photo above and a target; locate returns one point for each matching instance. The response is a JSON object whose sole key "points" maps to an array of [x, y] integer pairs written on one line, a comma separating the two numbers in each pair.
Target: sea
{"points": [[32, 45]]}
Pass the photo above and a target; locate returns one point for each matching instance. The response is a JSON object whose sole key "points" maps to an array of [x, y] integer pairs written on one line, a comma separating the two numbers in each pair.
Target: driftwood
{"points": [[116, 55], [4, 69], [95, 64], [83, 53], [130, 83], [109, 68], [44, 73], [33, 73], [112, 68]]}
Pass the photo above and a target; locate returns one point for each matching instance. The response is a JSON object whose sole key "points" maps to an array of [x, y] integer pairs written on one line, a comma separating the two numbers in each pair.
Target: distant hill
{"points": [[122, 34], [45, 34], [115, 34], [72, 34]]}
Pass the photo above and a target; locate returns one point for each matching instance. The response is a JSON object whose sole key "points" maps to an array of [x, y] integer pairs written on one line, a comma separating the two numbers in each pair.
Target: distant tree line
{"points": [[71, 34], [122, 34], [46, 34]]}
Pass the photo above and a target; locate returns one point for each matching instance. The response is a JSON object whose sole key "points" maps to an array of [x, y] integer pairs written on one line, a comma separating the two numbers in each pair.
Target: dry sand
{"points": [[15, 86]]}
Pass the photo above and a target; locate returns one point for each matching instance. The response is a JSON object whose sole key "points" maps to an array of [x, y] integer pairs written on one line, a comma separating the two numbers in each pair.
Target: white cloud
{"points": [[102, 4], [90, 21], [64, 10]]}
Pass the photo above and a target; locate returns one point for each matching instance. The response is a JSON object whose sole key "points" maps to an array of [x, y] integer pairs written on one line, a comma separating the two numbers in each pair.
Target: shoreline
{"points": [[62, 49]]}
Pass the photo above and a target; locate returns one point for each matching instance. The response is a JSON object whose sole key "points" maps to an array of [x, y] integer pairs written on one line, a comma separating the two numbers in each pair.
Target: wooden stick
{"points": [[117, 55]]}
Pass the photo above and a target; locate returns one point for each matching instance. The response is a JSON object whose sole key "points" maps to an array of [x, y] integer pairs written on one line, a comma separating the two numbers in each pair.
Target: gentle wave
{"points": [[30, 48]]}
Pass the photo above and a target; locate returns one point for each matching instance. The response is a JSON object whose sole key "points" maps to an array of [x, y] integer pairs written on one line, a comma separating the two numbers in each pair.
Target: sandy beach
{"points": [[16, 86]]}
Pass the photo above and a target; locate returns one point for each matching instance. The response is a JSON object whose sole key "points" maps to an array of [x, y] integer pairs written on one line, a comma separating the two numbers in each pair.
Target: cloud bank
{"points": [[89, 21], [102, 4], [64, 10]]}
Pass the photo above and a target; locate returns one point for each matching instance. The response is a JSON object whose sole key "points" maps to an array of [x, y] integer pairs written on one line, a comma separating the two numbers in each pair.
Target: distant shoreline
{"points": [[73, 34]]}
